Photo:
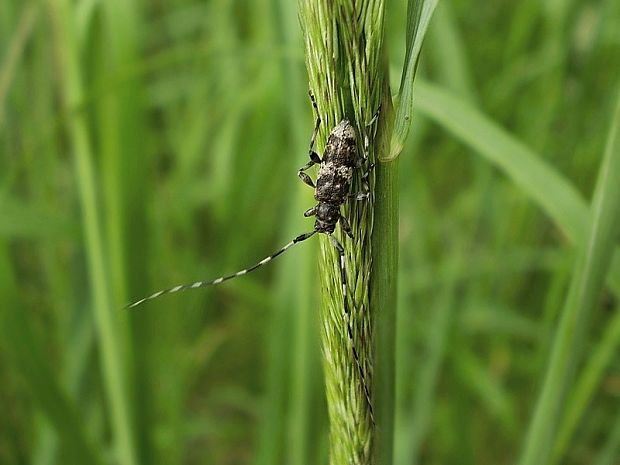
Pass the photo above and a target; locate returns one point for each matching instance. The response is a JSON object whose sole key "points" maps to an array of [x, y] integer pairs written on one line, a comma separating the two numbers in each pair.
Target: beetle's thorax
{"points": [[327, 215]]}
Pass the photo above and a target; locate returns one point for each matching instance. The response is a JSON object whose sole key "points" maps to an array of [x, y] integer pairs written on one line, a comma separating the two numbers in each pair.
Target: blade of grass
{"points": [[539, 181], [586, 386], [589, 273], [592, 374], [393, 132], [549, 190], [288, 427], [303, 423], [114, 372], [419, 14], [544, 185], [383, 297], [121, 147], [121, 141]]}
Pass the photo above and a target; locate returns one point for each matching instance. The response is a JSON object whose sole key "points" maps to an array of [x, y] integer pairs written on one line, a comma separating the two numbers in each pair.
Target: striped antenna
{"points": [[199, 284]]}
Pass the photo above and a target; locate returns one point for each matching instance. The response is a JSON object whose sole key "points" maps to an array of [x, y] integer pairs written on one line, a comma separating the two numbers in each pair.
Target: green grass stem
{"points": [[591, 267], [419, 14], [345, 68], [383, 299], [108, 327]]}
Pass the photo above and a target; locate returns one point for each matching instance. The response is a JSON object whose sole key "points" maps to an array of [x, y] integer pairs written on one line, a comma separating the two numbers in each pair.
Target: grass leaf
{"points": [[419, 13], [589, 274], [544, 185], [106, 316]]}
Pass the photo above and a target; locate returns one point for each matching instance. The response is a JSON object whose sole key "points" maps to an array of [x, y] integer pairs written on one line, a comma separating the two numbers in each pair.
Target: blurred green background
{"points": [[150, 143]]}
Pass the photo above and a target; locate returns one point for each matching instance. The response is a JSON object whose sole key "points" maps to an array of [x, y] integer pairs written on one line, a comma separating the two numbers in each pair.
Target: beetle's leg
{"points": [[346, 227], [310, 211], [314, 157]]}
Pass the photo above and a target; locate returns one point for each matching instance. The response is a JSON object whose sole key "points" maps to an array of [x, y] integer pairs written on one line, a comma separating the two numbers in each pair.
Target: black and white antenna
{"points": [[199, 284]]}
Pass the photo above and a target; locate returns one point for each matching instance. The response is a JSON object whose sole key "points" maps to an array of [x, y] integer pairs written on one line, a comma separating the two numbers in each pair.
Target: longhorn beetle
{"points": [[331, 190]]}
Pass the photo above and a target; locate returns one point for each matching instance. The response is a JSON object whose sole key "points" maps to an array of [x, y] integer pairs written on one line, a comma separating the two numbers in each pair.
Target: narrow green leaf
{"points": [[588, 280], [383, 298], [589, 380], [549, 190], [539, 181], [294, 355], [603, 353], [106, 316], [419, 13]]}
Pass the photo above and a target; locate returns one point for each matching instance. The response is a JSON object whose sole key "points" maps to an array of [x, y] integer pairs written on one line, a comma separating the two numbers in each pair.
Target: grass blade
{"points": [[554, 194], [383, 297], [586, 386], [591, 267], [544, 185], [106, 319], [419, 13], [597, 362]]}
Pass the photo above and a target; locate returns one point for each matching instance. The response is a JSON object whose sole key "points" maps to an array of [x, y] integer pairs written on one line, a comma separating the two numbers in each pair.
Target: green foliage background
{"points": [[149, 143]]}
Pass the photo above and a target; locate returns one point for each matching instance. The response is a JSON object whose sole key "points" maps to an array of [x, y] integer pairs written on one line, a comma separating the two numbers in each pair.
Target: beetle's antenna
{"points": [[199, 284]]}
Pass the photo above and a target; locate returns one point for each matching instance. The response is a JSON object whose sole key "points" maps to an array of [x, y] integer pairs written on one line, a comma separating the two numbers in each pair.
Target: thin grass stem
{"points": [[112, 357], [343, 57]]}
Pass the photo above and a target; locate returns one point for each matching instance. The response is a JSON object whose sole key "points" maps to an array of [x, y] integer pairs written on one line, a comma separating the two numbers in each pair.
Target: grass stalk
{"points": [[347, 71], [591, 267], [301, 424], [383, 299], [109, 345], [346, 74]]}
